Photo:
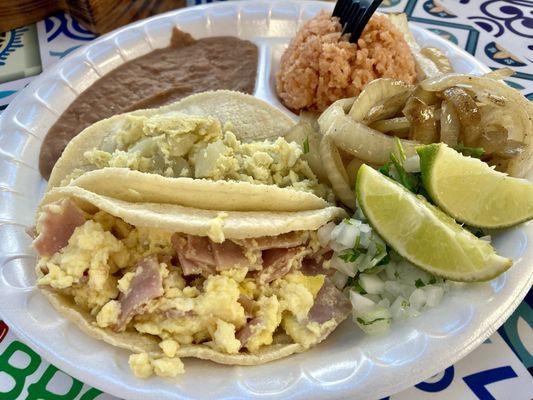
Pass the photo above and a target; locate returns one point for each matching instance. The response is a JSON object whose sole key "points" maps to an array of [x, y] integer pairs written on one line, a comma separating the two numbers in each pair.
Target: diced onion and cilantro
{"points": [[382, 286]]}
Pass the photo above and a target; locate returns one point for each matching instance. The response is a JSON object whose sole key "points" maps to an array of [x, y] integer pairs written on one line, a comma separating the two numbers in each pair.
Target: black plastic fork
{"points": [[354, 15]]}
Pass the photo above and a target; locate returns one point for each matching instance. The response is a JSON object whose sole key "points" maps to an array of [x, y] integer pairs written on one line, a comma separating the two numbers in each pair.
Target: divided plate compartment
{"points": [[348, 363]]}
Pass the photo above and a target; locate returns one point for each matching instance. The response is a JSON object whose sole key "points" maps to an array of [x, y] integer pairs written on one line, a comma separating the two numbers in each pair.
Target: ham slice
{"points": [[330, 303], [283, 241], [229, 255], [200, 255], [188, 266], [312, 267], [245, 333], [277, 263], [57, 223], [146, 285], [199, 250], [175, 313], [247, 304]]}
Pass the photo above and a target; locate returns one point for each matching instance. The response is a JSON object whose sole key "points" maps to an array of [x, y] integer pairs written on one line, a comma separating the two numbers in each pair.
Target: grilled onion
{"points": [[439, 58], [376, 93], [468, 114], [422, 119], [425, 67], [339, 107], [388, 107], [336, 172], [366, 143], [352, 168], [499, 74], [398, 126], [303, 133], [450, 127]]}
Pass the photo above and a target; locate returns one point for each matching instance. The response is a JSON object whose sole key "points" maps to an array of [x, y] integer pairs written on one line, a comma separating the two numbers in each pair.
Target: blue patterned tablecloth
{"points": [[497, 32]]}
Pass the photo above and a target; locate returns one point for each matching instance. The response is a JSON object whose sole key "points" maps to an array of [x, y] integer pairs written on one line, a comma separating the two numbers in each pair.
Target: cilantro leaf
{"points": [[385, 169], [306, 145], [350, 255], [365, 323], [358, 288], [476, 152], [410, 181], [432, 281], [384, 261], [419, 283]]}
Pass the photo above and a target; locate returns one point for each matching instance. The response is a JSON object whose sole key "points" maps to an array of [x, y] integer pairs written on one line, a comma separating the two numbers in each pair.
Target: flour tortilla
{"points": [[251, 119], [237, 225]]}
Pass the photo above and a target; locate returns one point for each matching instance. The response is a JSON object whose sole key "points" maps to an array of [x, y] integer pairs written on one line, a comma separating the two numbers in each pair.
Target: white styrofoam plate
{"points": [[347, 363]]}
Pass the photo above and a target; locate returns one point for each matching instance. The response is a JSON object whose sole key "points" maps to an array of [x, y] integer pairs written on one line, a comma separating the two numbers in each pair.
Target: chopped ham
{"points": [[57, 223], [229, 255], [188, 266], [278, 262], [146, 285], [245, 333], [330, 303], [283, 241], [199, 250], [247, 304]]}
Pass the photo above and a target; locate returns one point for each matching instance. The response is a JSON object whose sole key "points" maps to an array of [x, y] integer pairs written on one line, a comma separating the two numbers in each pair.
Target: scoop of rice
{"points": [[321, 65]]}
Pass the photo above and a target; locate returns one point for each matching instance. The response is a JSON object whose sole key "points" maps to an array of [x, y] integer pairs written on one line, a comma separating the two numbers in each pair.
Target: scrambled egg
{"points": [[143, 366], [179, 145], [216, 224], [99, 263]]}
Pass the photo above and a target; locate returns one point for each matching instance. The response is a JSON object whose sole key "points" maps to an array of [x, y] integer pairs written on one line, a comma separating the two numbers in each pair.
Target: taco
{"points": [[167, 281], [217, 150]]}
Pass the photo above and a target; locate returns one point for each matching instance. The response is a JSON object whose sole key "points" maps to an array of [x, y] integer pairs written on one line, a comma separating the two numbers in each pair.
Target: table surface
{"points": [[497, 32]]}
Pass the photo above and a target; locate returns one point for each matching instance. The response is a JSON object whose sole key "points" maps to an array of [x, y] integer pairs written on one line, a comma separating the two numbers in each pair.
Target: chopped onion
{"points": [[384, 303], [400, 308], [345, 235], [417, 300], [361, 304], [324, 233], [433, 295], [371, 283], [375, 321], [412, 164], [339, 279], [347, 268]]}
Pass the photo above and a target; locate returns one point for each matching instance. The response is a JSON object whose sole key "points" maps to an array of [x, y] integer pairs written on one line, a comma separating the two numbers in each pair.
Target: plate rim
{"points": [[87, 376]]}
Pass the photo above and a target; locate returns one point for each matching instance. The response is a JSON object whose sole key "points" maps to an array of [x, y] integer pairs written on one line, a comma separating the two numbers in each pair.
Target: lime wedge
{"points": [[472, 192], [422, 233]]}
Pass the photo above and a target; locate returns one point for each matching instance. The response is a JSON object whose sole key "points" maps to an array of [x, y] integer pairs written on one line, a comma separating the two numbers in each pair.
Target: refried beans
{"points": [[165, 75]]}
